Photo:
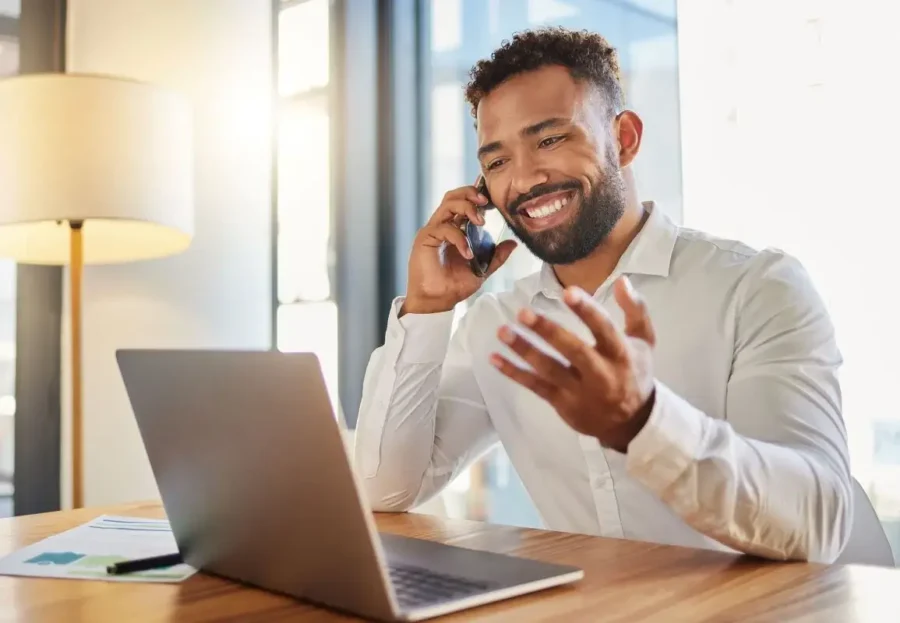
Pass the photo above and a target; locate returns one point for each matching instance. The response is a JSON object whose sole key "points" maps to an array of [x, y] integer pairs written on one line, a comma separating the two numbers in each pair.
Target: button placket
{"points": [[600, 477], [602, 491]]}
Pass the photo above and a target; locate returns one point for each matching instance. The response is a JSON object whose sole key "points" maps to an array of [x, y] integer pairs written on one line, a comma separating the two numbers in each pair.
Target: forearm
{"points": [[395, 435], [407, 457], [422, 418], [757, 497]]}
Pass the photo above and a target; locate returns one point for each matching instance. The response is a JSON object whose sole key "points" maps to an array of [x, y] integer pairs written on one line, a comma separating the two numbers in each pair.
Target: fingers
{"points": [[468, 193], [608, 336], [637, 318], [581, 355], [463, 201], [456, 210], [529, 380], [437, 235], [501, 254], [545, 367]]}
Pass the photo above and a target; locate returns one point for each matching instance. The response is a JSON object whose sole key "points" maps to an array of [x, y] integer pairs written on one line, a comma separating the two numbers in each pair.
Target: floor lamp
{"points": [[93, 170]]}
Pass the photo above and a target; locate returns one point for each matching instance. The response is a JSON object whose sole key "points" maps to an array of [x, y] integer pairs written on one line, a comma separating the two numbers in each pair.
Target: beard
{"points": [[597, 215]]}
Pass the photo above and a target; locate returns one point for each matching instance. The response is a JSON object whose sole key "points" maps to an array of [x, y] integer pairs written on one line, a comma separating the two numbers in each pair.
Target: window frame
{"points": [[378, 79], [404, 154], [353, 94], [9, 27]]}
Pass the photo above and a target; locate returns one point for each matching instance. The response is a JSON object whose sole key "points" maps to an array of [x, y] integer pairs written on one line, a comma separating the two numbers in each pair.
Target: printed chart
{"points": [[85, 552]]}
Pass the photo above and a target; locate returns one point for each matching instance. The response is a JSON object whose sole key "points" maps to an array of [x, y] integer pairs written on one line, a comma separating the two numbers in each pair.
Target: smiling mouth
{"points": [[548, 210]]}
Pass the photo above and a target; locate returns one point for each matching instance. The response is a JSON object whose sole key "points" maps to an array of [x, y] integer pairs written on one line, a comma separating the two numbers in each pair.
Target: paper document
{"points": [[85, 552]]}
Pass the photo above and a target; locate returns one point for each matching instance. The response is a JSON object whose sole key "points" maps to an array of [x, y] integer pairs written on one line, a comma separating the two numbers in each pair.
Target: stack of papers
{"points": [[84, 552]]}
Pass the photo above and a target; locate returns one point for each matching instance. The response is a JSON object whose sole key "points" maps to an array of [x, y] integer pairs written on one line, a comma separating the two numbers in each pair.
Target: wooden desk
{"points": [[624, 581]]}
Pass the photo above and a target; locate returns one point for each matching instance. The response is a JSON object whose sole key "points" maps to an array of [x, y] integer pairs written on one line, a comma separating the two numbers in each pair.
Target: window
{"points": [[462, 32], [9, 66], [306, 319], [769, 158]]}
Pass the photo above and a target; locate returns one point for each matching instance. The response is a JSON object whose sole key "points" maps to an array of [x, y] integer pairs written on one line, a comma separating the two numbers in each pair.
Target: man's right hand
{"points": [[439, 271]]}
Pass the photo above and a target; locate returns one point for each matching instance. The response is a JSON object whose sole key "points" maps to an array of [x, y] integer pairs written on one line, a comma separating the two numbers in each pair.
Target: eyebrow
{"points": [[531, 130]]}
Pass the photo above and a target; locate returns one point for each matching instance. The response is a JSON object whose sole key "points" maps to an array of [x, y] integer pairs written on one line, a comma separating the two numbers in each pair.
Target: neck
{"points": [[592, 271]]}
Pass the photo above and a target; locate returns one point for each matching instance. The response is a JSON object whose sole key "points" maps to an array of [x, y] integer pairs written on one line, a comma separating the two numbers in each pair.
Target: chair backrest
{"points": [[868, 543]]}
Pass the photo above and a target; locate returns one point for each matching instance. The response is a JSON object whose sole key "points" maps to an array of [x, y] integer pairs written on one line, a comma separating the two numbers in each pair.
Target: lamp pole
{"points": [[76, 269]]}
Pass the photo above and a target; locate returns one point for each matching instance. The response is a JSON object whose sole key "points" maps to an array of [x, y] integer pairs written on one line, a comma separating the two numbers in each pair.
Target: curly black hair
{"points": [[586, 55]]}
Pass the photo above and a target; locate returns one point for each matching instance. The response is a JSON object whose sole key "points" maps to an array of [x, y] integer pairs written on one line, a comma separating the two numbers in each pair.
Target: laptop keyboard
{"points": [[416, 586]]}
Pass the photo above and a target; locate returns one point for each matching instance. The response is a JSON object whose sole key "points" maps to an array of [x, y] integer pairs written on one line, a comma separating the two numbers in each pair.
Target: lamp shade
{"points": [[112, 154]]}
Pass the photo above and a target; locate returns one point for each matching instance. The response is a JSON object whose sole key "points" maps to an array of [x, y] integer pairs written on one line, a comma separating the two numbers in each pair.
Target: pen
{"points": [[144, 564]]}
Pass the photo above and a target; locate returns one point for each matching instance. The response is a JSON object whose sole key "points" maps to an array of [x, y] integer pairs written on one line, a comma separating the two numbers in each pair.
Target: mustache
{"points": [[540, 190]]}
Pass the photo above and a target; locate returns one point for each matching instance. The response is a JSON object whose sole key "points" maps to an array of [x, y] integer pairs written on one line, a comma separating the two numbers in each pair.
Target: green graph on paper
{"points": [[86, 551], [81, 565]]}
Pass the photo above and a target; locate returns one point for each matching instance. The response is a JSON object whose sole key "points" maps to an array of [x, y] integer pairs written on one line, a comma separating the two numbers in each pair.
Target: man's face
{"points": [[551, 163]]}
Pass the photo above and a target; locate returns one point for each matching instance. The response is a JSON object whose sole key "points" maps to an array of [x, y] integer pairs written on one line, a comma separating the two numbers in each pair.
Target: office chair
{"points": [[868, 543]]}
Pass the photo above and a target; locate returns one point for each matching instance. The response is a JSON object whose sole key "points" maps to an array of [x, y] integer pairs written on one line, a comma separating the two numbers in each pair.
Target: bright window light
{"points": [[789, 129], [303, 54], [307, 317], [312, 328], [304, 202]]}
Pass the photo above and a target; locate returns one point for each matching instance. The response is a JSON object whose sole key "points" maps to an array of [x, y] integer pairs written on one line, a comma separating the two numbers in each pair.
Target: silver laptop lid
{"points": [[254, 473]]}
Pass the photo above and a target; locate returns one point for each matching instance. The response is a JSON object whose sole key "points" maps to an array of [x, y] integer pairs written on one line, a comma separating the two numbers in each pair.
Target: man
{"points": [[651, 382]]}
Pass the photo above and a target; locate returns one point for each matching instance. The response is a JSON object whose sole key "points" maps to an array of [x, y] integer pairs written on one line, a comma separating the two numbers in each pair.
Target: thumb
{"points": [[501, 254], [637, 319]]}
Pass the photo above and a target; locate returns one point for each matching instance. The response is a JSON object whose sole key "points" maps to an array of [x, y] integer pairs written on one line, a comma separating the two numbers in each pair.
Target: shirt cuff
{"points": [[424, 338], [669, 442]]}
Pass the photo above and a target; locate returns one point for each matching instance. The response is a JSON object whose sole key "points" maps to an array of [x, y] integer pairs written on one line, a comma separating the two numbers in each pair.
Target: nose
{"points": [[526, 174]]}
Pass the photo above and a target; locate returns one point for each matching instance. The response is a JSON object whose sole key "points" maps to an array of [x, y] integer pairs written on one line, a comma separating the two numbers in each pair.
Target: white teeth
{"points": [[548, 209]]}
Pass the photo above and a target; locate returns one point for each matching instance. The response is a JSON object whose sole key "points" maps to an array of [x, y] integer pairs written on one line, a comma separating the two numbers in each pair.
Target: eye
{"points": [[493, 164], [551, 140]]}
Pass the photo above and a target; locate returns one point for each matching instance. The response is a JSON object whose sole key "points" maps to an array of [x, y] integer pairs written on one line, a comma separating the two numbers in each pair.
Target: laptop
{"points": [[257, 482]]}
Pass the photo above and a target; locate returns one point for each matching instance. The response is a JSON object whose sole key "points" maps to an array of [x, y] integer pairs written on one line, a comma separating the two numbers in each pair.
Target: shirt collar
{"points": [[650, 253]]}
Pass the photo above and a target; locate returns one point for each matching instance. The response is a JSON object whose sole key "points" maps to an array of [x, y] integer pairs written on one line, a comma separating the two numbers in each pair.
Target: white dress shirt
{"points": [[745, 448]]}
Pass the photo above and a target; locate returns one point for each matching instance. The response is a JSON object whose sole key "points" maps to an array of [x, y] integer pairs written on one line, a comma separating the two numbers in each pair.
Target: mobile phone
{"points": [[480, 240]]}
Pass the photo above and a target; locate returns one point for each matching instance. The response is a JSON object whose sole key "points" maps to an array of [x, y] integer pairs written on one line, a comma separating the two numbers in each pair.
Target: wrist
{"points": [[412, 305], [634, 425]]}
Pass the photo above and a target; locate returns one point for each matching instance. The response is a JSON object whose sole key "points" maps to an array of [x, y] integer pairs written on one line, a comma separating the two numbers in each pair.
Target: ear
{"points": [[629, 129]]}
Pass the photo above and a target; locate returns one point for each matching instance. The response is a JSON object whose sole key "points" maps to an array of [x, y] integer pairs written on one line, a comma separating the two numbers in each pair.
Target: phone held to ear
{"points": [[480, 240]]}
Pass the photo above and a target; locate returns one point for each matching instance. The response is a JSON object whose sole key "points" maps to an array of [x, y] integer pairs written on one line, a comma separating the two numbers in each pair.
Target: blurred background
{"points": [[770, 122], [9, 66]]}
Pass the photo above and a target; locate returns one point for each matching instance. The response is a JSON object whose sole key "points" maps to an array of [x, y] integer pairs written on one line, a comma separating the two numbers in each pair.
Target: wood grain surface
{"points": [[625, 581]]}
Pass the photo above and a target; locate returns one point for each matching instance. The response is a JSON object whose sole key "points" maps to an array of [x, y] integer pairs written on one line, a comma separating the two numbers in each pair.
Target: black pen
{"points": [[144, 564]]}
